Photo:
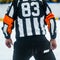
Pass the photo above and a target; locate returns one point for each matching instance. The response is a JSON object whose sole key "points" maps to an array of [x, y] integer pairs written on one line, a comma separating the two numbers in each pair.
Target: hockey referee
{"points": [[29, 17]]}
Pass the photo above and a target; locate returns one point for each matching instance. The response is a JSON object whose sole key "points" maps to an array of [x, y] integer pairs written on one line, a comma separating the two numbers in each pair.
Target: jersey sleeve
{"points": [[8, 21], [51, 22]]}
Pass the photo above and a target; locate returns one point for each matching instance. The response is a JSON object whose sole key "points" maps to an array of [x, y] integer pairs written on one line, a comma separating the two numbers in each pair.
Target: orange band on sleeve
{"points": [[47, 19], [8, 20]]}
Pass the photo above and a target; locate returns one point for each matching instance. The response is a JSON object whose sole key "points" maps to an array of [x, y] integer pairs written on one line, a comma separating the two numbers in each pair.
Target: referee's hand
{"points": [[53, 44], [8, 43]]}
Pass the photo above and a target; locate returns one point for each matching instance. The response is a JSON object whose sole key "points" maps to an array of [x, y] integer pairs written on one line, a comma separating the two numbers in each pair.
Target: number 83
{"points": [[26, 9]]}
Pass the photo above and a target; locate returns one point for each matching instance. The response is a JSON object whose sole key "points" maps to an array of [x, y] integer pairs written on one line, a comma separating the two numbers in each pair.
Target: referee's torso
{"points": [[30, 19]]}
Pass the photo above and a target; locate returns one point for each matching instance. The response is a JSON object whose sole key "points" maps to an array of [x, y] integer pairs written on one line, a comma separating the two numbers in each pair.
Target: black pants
{"points": [[37, 46]]}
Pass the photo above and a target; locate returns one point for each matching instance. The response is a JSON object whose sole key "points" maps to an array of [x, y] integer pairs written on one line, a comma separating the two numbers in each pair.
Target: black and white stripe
{"points": [[29, 27]]}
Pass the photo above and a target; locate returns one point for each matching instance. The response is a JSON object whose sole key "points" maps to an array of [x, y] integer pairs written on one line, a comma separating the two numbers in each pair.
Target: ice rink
{"points": [[7, 53]]}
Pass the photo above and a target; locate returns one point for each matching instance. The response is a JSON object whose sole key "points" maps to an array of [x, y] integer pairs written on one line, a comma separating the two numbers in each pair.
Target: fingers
{"points": [[53, 45], [8, 43]]}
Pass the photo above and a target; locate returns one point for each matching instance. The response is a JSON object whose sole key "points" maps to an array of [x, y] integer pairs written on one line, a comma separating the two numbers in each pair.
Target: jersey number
{"points": [[26, 9]]}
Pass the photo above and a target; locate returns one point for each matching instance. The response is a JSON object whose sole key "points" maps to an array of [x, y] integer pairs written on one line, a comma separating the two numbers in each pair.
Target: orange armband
{"points": [[47, 19], [9, 21]]}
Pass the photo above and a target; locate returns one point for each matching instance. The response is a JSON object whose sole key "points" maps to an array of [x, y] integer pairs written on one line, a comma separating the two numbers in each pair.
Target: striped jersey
{"points": [[30, 18]]}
